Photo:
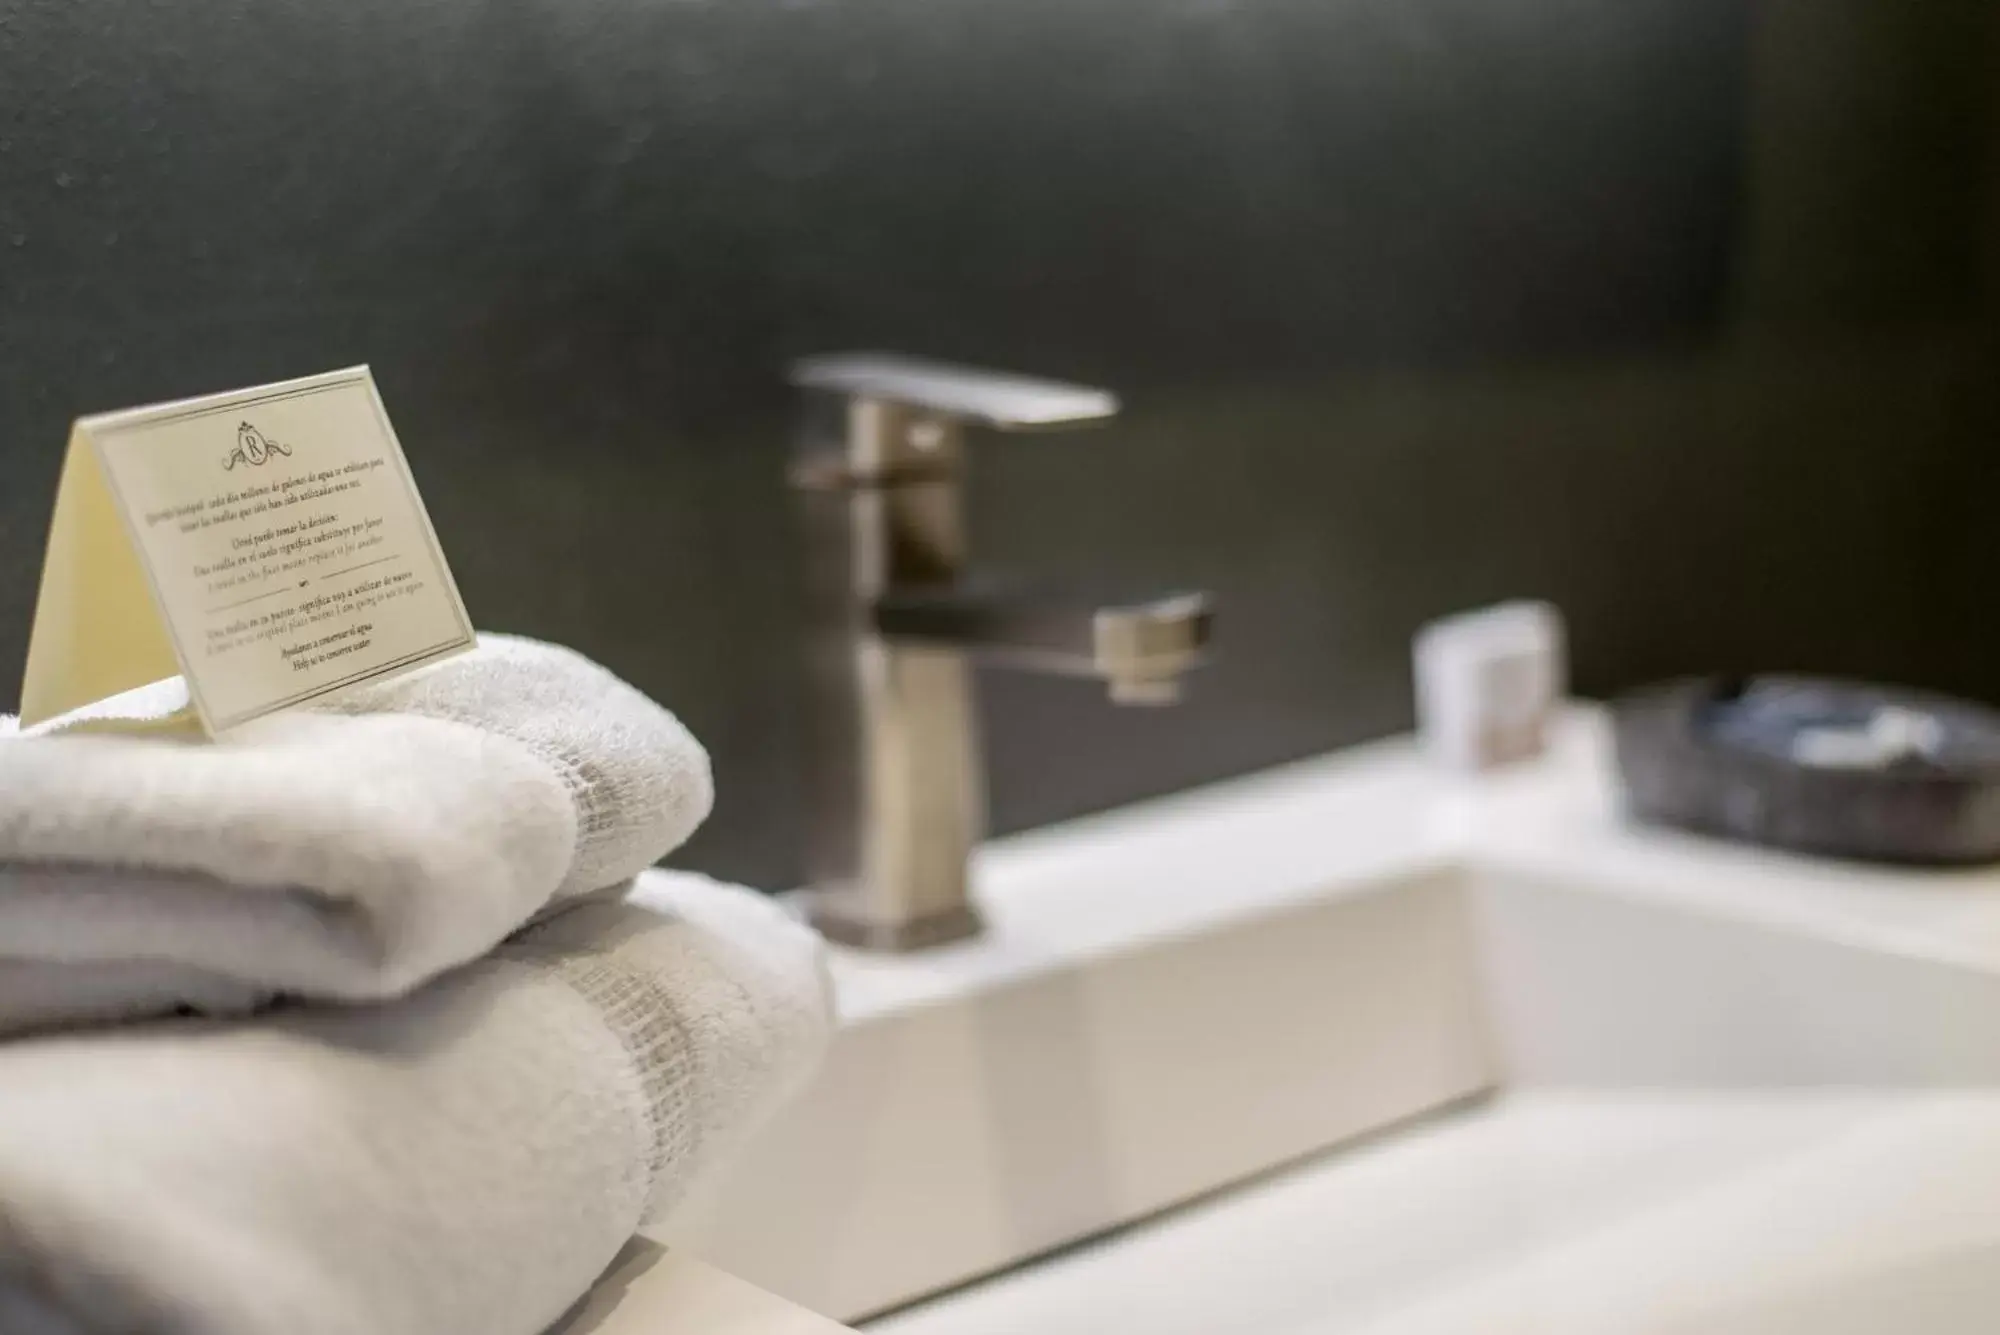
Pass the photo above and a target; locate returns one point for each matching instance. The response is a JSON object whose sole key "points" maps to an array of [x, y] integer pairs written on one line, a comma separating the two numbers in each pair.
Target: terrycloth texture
{"points": [[347, 855], [639, 783], [339, 857], [467, 1159]]}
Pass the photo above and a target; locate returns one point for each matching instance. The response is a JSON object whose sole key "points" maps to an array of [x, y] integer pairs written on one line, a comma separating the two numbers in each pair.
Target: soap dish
{"points": [[1837, 768]]}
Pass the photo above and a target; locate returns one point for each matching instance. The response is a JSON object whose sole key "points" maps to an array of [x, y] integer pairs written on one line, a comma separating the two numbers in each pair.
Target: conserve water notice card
{"points": [[269, 545]]}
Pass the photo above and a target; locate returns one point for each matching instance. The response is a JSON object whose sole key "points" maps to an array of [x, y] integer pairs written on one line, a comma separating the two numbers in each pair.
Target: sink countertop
{"points": [[1557, 818], [1202, 859]]}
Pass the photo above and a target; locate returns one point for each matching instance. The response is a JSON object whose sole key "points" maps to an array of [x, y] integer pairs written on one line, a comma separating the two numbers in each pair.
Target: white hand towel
{"points": [[348, 855], [467, 1159]]}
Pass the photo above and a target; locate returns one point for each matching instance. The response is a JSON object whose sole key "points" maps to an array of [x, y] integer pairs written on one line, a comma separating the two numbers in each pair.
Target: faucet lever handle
{"points": [[984, 398]]}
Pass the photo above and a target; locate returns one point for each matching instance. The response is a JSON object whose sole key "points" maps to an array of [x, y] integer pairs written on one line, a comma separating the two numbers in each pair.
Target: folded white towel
{"points": [[638, 781], [37, 994], [466, 1159], [345, 855]]}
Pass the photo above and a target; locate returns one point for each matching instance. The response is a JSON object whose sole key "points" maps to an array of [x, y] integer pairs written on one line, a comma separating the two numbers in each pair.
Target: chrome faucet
{"points": [[897, 801]]}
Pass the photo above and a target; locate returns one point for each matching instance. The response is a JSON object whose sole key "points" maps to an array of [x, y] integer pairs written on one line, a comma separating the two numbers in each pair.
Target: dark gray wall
{"points": [[1673, 310]]}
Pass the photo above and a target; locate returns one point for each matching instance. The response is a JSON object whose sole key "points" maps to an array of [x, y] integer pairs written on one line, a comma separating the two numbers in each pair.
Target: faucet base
{"points": [[918, 934]]}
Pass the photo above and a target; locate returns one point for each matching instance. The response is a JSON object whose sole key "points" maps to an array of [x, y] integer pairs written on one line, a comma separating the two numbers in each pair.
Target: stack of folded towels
{"points": [[370, 1019]]}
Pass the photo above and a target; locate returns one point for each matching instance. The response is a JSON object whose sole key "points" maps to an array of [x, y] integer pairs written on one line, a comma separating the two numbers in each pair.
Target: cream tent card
{"points": [[268, 545]]}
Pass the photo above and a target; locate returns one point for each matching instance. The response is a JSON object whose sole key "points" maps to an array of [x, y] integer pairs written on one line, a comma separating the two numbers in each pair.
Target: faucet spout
{"points": [[1139, 647]]}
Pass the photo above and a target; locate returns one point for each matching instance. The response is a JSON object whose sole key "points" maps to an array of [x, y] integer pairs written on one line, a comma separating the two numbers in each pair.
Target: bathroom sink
{"points": [[1476, 1028]]}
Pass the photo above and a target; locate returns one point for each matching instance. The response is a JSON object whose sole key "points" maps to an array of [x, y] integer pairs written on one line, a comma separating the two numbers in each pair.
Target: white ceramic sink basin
{"points": [[1524, 1069], [1804, 1213]]}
